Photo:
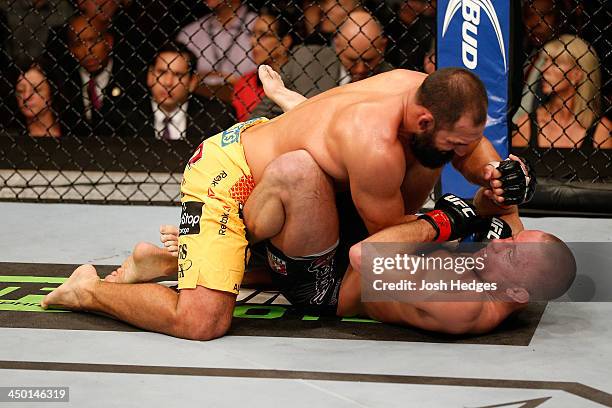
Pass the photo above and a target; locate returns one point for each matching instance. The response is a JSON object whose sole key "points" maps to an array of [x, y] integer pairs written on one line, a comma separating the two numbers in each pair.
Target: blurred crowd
{"points": [[185, 70]]}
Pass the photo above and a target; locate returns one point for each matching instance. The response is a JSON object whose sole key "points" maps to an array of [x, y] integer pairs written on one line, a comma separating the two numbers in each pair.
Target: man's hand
{"points": [[451, 218], [511, 182], [486, 229]]}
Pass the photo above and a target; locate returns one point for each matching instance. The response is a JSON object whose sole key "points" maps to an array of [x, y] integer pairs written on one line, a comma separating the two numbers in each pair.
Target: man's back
{"points": [[368, 112]]}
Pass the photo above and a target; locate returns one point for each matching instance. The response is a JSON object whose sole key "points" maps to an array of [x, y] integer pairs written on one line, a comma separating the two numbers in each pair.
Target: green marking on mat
{"points": [[8, 290], [47, 289], [28, 303], [30, 279], [273, 312], [310, 318], [358, 320]]}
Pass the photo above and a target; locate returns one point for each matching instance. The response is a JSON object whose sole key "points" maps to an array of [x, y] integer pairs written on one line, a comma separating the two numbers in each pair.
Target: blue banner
{"points": [[475, 34]]}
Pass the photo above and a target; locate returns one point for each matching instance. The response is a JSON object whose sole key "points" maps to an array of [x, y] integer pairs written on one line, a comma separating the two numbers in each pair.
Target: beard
{"points": [[427, 154]]}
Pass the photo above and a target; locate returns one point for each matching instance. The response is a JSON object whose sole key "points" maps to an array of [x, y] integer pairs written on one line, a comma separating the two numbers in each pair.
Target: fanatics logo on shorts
{"points": [[191, 214]]}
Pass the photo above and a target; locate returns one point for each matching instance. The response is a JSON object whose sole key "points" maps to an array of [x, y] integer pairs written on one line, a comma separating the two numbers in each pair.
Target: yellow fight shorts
{"points": [[213, 248]]}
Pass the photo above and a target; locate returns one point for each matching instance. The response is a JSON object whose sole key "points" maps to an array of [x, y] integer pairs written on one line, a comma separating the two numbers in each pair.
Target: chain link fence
{"points": [[105, 100]]}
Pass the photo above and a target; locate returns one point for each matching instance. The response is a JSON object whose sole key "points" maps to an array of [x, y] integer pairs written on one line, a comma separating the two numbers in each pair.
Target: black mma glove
{"points": [[451, 218], [518, 180], [486, 229]]}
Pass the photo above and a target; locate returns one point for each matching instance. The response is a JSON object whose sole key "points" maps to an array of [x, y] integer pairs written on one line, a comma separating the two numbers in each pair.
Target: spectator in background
{"points": [[57, 51], [221, 41], [29, 23], [138, 30], [322, 19], [542, 23], [411, 31], [271, 41], [571, 117], [34, 99], [91, 97], [171, 112], [358, 53]]}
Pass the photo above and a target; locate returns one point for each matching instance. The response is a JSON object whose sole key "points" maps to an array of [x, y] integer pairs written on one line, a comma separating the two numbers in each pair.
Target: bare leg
{"points": [[294, 206], [275, 89], [198, 313]]}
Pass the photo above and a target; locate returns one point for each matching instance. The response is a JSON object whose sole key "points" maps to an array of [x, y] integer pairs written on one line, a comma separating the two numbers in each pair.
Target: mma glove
{"points": [[451, 218], [486, 229], [518, 180]]}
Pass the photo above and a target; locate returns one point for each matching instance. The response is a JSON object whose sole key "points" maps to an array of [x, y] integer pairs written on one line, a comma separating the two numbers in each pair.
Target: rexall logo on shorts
{"points": [[471, 13]]}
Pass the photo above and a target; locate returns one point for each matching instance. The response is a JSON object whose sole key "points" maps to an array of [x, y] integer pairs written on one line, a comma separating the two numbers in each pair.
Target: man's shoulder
{"points": [[309, 52], [195, 26], [384, 66], [210, 110], [202, 104]]}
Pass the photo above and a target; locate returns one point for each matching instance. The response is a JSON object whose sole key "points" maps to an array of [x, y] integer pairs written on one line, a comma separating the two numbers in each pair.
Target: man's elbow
{"points": [[355, 257]]}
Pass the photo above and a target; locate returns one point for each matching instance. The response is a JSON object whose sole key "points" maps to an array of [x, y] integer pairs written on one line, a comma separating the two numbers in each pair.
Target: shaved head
{"points": [[360, 44]]}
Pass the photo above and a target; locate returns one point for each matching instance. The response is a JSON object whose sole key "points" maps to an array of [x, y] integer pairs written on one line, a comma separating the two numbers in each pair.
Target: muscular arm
{"points": [[474, 167], [376, 169], [471, 165], [487, 208], [444, 317]]}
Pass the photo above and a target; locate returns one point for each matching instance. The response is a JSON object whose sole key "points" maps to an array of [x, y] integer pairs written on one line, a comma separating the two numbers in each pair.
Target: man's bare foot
{"points": [[71, 294], [271, 81], [168, 235], [126, 273], [275, 89], [146, 263]]}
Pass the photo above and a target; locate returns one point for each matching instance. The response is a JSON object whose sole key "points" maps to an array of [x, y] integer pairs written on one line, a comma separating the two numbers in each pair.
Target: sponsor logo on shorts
{"points": [[197, 155], [231, 135], [191, 214], [184, 267], [277, 264], [182, 254], [224, 220], [218, 178]]}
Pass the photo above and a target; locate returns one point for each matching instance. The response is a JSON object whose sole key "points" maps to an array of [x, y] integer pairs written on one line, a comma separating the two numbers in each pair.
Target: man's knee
{"points": [[203, 314], [201, 325], [294, 170], [203, 329]]}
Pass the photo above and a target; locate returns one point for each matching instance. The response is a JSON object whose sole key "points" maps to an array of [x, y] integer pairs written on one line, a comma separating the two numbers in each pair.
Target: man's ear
{"points": [[150, 77], [287, 42], [193, 82], [110, 40], [422, 119], [418, 119], [381, 45], [518, 295]]}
